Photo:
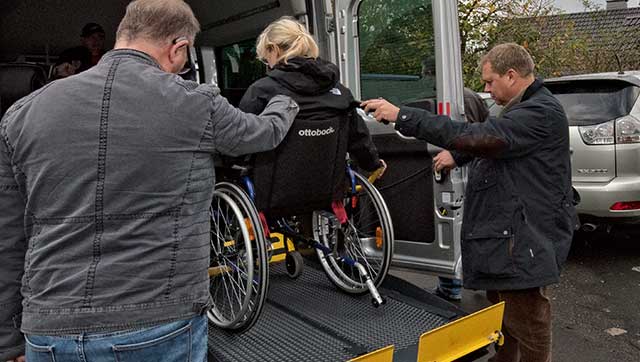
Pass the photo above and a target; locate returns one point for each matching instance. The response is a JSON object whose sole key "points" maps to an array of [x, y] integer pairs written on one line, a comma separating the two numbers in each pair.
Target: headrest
{"points": [[17, 80]]}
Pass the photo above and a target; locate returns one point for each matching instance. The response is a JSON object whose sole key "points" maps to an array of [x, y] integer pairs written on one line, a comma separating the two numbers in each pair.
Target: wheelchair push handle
{"points": [[368, 116]]}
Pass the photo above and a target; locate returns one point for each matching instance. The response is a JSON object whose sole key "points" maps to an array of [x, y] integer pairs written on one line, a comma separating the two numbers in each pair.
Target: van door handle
{"points": [[405, 137]]}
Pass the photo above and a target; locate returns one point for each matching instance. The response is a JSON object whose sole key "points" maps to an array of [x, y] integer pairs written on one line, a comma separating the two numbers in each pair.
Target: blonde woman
{"points": [[295, 70]]}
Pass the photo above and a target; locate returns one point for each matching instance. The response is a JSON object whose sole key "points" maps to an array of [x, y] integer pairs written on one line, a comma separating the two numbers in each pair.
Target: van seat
{"points": [[17, 80]]}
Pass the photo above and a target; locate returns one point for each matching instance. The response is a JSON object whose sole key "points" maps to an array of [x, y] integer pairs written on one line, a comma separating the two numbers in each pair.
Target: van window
{"points": [[589, 102], [239, 68], [397, 50]]}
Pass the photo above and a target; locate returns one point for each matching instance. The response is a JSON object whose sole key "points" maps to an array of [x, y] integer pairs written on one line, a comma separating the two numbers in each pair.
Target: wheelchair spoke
{"points": [[237, 269], [367, 238]]}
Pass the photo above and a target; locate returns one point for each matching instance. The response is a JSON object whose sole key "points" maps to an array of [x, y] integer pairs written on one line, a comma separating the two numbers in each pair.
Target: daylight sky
{"points": [[573, 6]]}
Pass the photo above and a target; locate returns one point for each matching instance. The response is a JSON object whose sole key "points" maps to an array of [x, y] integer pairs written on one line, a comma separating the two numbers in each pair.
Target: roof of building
{"points": [[615, 31], [595, 23]]}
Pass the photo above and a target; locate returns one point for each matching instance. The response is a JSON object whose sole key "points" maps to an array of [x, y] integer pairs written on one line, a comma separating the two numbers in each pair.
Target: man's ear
{"points": [[176, 48], [512, 75]]}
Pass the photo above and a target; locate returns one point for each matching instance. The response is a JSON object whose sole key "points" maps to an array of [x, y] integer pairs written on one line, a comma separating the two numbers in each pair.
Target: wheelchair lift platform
{"points": [[309, 319]]}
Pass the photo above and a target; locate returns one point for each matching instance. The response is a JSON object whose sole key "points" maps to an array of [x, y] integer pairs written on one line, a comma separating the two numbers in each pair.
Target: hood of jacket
{"points": [[306, 75]]}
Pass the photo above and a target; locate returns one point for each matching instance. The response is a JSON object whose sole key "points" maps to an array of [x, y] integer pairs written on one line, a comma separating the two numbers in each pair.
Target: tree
{"points": [[484, 23]]}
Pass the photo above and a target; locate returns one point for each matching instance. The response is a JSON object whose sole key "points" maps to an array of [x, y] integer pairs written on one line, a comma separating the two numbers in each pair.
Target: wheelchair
{"points": [[254, 224]]}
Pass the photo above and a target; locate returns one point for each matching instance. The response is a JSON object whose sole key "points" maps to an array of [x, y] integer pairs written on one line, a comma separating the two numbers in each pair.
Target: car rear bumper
{"points": [[597, 198]]}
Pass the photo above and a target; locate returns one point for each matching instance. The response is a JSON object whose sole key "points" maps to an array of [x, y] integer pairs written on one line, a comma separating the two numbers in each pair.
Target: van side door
{"points": [[408, 52]]}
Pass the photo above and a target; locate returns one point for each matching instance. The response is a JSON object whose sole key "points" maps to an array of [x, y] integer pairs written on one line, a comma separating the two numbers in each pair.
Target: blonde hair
{"points": [[158, 20], [290, 37]]}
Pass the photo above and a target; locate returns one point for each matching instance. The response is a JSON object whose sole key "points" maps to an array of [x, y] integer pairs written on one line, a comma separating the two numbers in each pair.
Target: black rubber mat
{"points": [[309, 319]]}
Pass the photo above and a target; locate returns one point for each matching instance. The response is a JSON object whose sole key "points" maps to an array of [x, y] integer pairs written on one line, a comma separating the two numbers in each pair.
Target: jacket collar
{"points": [[523, 95], [131, 54], [532, 89]]}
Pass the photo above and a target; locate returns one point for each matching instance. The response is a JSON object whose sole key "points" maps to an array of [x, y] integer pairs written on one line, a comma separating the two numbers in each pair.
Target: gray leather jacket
{"points": [[106, 179]]}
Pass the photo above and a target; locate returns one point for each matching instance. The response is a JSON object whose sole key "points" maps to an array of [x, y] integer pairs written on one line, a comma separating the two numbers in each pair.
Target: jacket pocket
{"points": [[489, 257], [174, 346], [37, 352], [483, 175]]}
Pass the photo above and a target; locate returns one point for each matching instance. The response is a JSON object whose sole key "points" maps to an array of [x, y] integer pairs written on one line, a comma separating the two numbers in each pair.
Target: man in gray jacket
{"points": [[106, 179], [518, 214]]}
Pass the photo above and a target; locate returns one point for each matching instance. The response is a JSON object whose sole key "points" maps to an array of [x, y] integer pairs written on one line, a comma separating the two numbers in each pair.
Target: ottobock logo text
{"points": [[315, 132]]}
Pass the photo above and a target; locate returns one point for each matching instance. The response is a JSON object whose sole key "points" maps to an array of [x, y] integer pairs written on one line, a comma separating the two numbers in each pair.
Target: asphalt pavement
{"points": [[596, 305]]}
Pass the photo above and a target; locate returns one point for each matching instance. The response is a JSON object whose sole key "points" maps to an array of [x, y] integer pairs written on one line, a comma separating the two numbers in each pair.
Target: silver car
{"points": [[604, 127]]}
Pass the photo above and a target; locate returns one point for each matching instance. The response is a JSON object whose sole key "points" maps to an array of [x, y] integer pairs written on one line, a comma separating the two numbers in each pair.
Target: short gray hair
{"points": [[509, 56], [160, 21]]}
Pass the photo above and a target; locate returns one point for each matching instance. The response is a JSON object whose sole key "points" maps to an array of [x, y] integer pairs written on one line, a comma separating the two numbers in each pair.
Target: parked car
{"points": [[604, 127], [494, 108]]}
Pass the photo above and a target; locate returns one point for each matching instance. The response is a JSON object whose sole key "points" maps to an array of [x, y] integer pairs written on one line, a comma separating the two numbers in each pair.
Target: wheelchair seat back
{"points": [[306, 171]]}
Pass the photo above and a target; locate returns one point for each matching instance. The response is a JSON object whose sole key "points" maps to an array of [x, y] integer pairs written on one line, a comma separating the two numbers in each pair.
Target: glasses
{"points": [[186, 68], [179, 39]]}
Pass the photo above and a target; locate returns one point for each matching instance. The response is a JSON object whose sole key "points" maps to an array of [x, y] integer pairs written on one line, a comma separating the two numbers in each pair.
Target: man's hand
{"points": [[443, 160], [64, 70], [382, 109]]}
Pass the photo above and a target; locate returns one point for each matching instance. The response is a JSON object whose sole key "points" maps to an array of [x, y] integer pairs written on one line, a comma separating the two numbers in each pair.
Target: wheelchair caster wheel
{"points": [[294, 263]]}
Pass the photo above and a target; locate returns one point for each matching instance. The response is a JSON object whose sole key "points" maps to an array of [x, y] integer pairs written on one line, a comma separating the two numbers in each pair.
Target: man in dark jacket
{"points": [[519, 217], [106, 180], [78, 59]]}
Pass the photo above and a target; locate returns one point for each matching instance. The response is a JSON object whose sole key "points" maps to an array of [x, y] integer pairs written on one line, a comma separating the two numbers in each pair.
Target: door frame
{"points": [[442, 256]]}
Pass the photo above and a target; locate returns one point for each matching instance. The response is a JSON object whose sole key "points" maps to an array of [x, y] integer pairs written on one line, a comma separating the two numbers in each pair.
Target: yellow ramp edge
{"points": [[381, 355], [463, 336]]}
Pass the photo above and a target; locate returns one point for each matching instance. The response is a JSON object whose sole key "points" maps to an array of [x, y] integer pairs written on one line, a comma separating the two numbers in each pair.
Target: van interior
{"points": [[33, 33]]}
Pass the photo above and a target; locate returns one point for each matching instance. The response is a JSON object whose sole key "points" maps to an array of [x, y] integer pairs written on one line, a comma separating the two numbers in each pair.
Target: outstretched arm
{"points": [[235, 133], [503, 138]]}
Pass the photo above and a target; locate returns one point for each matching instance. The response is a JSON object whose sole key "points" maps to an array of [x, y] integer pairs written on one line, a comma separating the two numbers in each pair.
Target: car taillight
{"points": [[625, 205], [627, 130], [598, 134]]}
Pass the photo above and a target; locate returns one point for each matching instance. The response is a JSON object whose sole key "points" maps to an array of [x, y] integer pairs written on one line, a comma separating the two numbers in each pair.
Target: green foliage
{"points": [[485, 23], [395, 36], [555, 45]]}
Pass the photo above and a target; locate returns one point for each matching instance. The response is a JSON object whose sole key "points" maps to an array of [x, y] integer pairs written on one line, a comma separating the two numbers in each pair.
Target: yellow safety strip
{"points": [[463, 336], [382, 355]]}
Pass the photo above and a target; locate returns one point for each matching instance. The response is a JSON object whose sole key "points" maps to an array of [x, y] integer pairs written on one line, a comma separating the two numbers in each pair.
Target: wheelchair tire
{"points": [[367, 237], [253, 246]]}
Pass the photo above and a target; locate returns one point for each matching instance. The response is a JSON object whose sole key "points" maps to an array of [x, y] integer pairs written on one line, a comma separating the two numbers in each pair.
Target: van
{"points": [[406, 51]]}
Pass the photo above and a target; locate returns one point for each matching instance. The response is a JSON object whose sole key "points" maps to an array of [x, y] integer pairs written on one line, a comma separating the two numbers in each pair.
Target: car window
{"points": [[588, 102], [397, 50]]}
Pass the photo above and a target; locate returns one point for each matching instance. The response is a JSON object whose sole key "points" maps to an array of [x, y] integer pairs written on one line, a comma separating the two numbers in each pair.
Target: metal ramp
{"points": [[309, 319]]}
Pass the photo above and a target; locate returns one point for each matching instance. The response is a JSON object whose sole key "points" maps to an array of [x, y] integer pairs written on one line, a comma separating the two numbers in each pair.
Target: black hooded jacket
{"points": [[315, 85]]}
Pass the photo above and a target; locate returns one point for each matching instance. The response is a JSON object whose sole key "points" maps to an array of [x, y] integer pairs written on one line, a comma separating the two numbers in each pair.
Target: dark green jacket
{"points": [[518, 214]]}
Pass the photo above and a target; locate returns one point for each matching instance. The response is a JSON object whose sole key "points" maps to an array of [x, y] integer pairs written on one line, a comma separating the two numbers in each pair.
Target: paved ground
{"points": [[599, 290]]}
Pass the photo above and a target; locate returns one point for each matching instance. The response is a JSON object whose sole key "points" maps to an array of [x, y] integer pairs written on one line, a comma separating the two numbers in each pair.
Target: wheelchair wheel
{"points": [[260, 280], [294, 264], [367, 237]]}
